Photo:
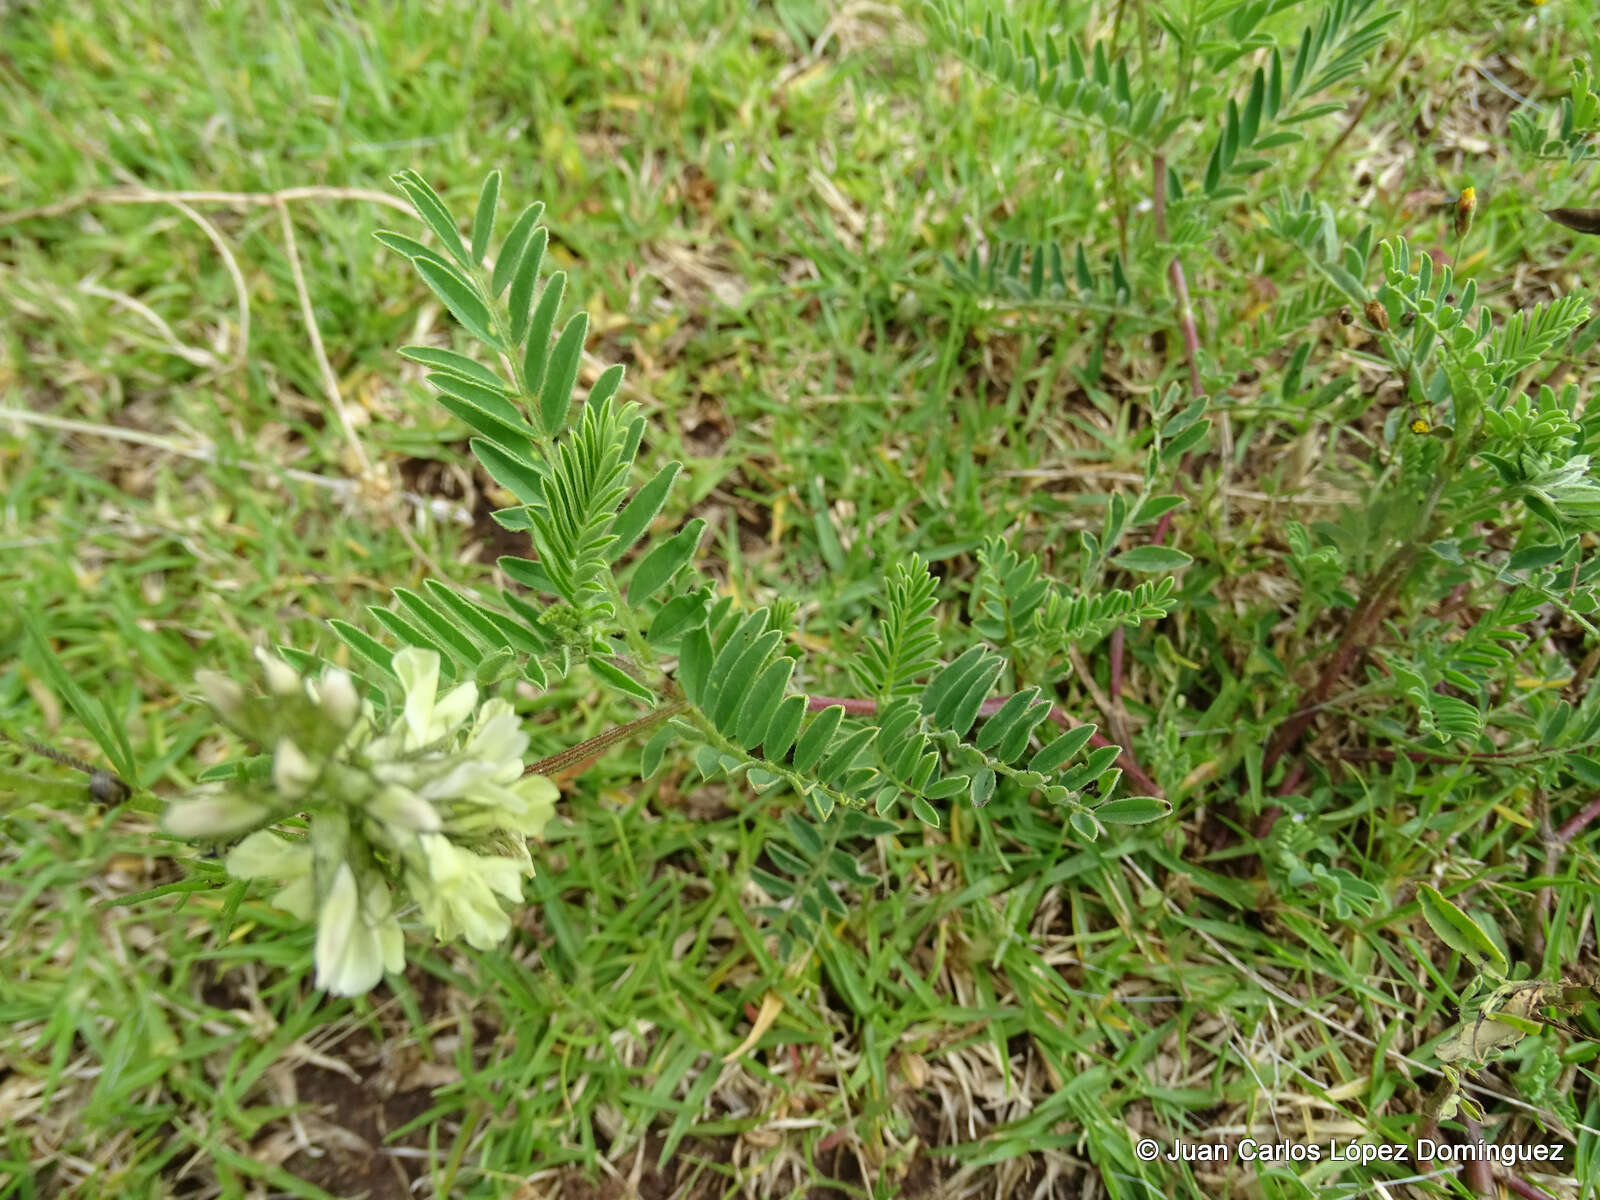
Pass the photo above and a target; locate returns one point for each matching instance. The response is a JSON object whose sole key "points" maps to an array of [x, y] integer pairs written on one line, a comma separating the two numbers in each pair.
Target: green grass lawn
{"points": [[209, 442]]}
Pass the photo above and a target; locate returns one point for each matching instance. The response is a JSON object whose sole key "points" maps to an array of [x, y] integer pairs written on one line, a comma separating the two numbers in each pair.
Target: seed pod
{"points": [[1584, 220], [1346, 317], [107, 789], [1466, 205], [1377, 315]]}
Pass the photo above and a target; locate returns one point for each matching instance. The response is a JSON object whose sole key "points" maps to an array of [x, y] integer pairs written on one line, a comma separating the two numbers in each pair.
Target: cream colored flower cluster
{"points": [[434, 810]]}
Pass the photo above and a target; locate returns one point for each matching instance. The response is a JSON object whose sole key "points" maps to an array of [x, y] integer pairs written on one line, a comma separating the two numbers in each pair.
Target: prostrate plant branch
{"points": [[651, 629], [1378, 597]]}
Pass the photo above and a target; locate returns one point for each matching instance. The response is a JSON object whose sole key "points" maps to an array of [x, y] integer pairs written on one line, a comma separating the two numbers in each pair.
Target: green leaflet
{"points": [[762, 703], [524, 318], [404, 631], [620, 679], [816, 737], [510, 258], [694, 664], [537, 356], [677, 615], [1056, 754], [555, 394], [650, 757], [733, 689], [486, 410], [781, 729], [1132, 810], [666, 560], [459, 365], [411, 248], [520, 476], [433, 213], [483, 217], [437, 624], [1460, 932], [637, 514], [461, 299]]}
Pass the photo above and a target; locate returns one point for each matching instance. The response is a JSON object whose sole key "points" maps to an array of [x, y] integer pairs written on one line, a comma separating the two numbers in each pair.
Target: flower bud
{"points": [[212, 815], [402, 807], [349, 957], [282, 680], [337, 697], [265, 855], [223, 694], [292, 772], [1466, 205]]}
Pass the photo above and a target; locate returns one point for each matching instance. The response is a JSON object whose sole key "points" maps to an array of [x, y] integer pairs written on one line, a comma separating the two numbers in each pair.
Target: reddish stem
{"points": [[1180, 282], [1269, 816], [1573, 827], [1362, 622], [1477, 1173], [1380, 754], [1526, 1190]]}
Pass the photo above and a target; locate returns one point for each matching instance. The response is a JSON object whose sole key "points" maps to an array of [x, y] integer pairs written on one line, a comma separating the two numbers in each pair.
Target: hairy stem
{"points": [[584, 753]]}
